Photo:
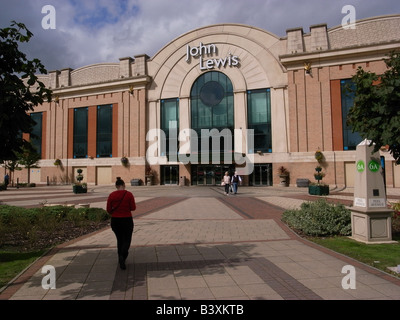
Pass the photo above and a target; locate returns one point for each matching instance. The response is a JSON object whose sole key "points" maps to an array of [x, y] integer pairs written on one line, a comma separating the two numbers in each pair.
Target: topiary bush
{"points": [[319, 218]]}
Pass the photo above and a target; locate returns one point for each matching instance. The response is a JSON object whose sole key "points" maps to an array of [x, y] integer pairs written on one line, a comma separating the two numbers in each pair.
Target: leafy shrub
{"points": [[97, 214], [38, 224], [319, 218], [396, 217], [77, 216], [82, 215]]}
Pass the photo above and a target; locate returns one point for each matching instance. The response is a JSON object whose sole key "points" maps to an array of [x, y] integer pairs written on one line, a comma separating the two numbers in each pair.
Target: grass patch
{"points": [[12, 263], [380, 256]]}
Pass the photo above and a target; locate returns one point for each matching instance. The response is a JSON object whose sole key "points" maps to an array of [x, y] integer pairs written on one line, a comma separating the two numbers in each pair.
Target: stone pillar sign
{"points": [[370, 216]]}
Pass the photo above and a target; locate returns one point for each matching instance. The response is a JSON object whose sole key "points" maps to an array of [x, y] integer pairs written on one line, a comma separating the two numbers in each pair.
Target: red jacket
{"points": [[120, 203]]}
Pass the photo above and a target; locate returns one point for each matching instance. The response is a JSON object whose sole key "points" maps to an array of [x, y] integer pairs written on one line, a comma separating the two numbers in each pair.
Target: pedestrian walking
{"points": [[236, 180], [120, 204], [226, 181]]}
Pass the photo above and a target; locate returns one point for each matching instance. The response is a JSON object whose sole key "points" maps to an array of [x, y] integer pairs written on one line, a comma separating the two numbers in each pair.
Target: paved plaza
{"points": [[196, 243]]}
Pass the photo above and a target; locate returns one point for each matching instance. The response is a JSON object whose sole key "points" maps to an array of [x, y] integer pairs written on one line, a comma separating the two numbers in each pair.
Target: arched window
{"points": [[212, 107]]}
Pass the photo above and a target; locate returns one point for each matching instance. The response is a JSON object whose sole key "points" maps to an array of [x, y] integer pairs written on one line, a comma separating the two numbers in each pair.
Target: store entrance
{"points": [[262, 175], [169, 175], [210, 175]]}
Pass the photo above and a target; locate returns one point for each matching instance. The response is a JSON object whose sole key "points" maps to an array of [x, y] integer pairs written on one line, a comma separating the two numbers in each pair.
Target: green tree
{"points": [[28, 158], [20, 89], [376, 111]]}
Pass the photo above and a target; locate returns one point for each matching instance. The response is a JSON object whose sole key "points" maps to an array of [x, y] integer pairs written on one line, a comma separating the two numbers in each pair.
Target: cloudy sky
{"points": [[96, 31]]}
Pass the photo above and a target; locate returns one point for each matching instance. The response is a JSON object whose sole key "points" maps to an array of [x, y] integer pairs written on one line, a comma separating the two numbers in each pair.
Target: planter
{"points": [[302, 183], [135, 182], [149, 180], [78, 189], [125, 161], [318, 190], [284, 180]]}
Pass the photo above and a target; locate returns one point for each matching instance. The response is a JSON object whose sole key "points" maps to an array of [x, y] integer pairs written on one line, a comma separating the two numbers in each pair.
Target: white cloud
{"points": [[94, 31]]}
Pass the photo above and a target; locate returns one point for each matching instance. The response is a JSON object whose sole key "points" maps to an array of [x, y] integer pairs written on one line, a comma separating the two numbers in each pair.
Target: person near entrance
{"points": [[120, 205], [226, 182], [6, 180], [236, 179]]}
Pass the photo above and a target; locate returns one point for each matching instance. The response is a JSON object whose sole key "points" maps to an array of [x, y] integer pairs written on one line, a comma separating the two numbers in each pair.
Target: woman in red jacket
{"points": [[120, 205]]}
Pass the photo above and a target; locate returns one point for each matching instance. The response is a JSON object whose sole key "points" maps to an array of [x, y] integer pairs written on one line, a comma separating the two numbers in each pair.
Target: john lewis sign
{"points": [[210, 50]]}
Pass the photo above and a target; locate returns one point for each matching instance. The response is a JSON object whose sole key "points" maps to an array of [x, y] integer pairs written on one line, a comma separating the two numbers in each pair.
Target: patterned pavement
{"points": [[195, 243]]}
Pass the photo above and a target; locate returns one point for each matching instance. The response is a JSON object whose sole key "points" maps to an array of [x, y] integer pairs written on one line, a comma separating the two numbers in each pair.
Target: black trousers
{"points": [[123, 229], [227, 188]]}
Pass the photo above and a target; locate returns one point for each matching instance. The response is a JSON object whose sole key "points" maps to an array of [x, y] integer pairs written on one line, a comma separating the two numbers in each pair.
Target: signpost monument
{"points": [[370, 216]]}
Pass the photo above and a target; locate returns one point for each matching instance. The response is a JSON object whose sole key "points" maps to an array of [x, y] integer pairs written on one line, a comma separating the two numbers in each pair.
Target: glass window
{"points": [[36, 134], [104, 131], [212, 107], [259, 119], [170, 125], [80, 139], [350, 139]]}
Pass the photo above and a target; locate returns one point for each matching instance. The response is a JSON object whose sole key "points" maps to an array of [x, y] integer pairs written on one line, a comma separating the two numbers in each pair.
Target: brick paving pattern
{"points": [[195, 243]]}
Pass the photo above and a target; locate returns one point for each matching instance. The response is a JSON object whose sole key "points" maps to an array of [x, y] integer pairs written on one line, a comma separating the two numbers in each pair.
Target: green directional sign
{"points": [[373, 166], [360, 166]]}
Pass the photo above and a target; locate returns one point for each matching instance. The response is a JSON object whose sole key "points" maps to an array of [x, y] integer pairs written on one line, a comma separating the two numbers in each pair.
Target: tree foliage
{"points": [[376, 111], [20, 89]]}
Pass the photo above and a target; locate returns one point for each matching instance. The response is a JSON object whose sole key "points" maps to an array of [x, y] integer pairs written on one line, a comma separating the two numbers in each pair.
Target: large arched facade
{"points": [[247, 57]]}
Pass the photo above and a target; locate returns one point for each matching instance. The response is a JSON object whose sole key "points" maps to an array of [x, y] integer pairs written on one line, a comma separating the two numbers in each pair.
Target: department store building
{"points": [[269, 101]]}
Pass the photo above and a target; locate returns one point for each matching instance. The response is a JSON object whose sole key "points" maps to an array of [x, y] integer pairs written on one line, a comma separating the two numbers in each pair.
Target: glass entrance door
{"points": [[210, 175], [170, 175], [262, 175]]}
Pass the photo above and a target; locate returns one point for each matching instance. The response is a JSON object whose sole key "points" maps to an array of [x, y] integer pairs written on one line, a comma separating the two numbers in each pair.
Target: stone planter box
{"points": [[318, 190], [78, 189], [149, 180], [302, 183], [135, 182]]}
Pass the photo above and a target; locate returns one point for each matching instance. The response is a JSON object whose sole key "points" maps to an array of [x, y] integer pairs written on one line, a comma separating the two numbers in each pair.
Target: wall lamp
{"points": [[131, 90]]}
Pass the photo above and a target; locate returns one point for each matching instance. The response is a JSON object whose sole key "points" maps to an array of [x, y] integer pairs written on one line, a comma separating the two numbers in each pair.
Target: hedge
{"points": [[319, 218]]}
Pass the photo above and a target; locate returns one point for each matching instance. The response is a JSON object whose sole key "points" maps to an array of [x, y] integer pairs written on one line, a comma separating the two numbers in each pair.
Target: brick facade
{"points": [[303, 71]]}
